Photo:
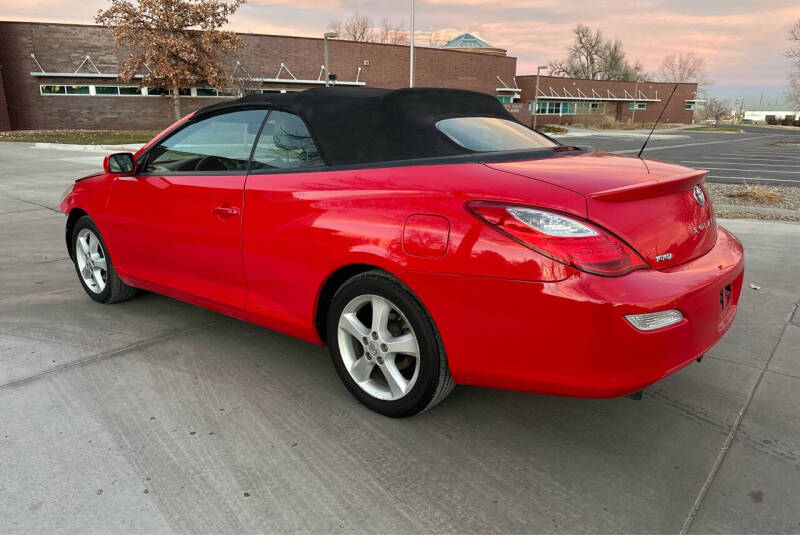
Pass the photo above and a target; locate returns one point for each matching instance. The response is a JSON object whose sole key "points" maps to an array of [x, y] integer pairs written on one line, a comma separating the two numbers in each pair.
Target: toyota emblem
{"points": [[699, 196]]}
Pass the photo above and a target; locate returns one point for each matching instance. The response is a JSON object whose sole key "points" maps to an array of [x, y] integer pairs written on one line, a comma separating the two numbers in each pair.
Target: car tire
{"points": [[93, 265], [395, 363]]}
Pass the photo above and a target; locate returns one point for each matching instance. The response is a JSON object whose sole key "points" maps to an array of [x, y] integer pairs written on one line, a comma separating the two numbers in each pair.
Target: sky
{"points": [[742, 42]]}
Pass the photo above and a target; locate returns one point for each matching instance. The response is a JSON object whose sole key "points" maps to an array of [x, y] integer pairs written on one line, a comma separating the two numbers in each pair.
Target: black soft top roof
{"points": [[353, 125]]}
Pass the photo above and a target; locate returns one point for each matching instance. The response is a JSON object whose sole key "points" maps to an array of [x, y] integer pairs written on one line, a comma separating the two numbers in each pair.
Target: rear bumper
{"points": [[571, 337]]}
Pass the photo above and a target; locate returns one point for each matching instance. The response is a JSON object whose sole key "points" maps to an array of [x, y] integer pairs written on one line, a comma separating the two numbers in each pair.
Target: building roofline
{"points": [[459, 51]]}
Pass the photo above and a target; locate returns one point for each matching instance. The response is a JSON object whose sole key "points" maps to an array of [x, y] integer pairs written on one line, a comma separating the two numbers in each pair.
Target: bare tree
{"points": [[715, 109], [687, 67], [614, 66], [584, 56], [336, 27], [591, 56], [178, 40], [794, 58], [392, 34], [361, 28], [437, 38], [357, 28]]}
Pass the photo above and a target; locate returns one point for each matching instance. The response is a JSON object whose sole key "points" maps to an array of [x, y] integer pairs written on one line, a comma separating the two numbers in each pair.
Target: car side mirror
{"points": [[120, 162]]}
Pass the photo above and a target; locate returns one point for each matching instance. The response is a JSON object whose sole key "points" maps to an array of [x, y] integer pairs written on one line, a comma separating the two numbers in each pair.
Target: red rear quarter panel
{"points": [[571, 337], [300, 228]]}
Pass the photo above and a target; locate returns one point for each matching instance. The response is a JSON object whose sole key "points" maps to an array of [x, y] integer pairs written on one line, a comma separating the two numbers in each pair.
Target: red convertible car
{"points": [[425, 235]]}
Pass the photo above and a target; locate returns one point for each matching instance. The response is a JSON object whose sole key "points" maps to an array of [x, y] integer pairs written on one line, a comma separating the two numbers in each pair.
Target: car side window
{"points": [[219, 143], [285, 143]]}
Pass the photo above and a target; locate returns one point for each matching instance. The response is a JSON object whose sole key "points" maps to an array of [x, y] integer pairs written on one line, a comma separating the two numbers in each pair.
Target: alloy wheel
{"points": [[91, 260], [378, 347]]}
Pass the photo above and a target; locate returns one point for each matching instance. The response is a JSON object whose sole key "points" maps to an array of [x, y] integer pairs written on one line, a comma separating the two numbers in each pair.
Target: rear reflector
{"points": [[655, 320]]}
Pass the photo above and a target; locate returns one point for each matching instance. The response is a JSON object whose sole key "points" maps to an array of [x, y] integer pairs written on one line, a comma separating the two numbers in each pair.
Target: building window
{"points": [[157, 91], [106, 90], [559, 108], [504, 99], [689, 106], [639, 105], [128, 90], [77, 90], [52, 90]]}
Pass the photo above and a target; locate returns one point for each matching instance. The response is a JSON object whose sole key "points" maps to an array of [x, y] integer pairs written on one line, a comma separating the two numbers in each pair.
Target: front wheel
{"points": [[385, 346], [93, 265]]}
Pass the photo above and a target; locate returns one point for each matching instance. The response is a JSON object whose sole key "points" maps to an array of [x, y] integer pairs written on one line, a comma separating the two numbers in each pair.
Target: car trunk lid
{"points": [[651, 205]]}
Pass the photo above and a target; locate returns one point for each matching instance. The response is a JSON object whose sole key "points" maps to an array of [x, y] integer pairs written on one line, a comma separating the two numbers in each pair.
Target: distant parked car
{"points": [[425, 235]]}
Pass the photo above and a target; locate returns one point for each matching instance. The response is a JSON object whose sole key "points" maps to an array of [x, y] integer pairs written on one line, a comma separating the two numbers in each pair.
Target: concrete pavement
{"points": [[156, 416]]}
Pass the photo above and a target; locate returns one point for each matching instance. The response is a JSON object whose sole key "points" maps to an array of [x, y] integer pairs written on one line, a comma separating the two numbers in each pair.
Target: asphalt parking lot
{"points": [[755, 156], [155, 416]]}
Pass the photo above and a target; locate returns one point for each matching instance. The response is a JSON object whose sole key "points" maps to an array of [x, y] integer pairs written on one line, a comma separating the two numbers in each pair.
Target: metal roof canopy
{"points": [[277, 79], [627, 97]]}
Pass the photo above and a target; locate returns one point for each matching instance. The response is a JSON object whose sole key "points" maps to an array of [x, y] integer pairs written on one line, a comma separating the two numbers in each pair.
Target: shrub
{"points": [[771, 119], [788, 120], [602, 122]]}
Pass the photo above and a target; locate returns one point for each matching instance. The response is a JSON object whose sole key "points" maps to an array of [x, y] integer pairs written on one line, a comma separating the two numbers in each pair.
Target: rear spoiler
{"points": [[653, 188]]}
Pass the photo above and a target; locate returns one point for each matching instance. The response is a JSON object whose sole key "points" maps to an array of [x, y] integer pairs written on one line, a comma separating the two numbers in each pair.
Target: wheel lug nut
{"points": [[384, 348], [380, 360], [374, 335], [364, 340], [369, 357]]}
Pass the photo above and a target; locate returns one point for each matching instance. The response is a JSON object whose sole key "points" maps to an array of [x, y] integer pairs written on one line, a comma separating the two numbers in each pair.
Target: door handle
{"points": [[225, 211]]}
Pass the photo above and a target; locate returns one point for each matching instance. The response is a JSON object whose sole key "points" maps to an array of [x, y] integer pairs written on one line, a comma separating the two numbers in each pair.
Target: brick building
{"points": [[576, 100], [50, 83], [65, 76]]}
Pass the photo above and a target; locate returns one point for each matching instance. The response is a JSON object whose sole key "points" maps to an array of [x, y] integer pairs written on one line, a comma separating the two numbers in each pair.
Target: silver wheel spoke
{"points": [[380, 314], [84, 243], [351, 324], [99, 262], [93, 244], [361, 369], [405, 344], [86, 272], [98, 279], [397, 383]]}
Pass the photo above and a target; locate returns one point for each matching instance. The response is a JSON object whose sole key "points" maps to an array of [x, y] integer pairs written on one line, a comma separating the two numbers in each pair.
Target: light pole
{"points": [[536, 95], [635, 94], [328, 35], [411, 42]]}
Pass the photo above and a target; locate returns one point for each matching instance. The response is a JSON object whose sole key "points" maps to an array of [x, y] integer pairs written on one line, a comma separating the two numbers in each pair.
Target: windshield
{"points": [[489, 134]]}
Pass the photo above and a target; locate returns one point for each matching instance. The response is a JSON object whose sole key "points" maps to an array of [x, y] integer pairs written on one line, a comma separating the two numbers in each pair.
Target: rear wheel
{"points": [[385, 346], [93, 265]]}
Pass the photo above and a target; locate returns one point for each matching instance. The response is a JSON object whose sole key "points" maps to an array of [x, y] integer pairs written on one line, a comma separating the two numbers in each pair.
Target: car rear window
{"points": [[489, 134]]}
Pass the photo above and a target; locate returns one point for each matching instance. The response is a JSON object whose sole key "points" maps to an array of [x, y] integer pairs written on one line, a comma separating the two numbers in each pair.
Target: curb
{"points": [[132, 147], [738, 208]]}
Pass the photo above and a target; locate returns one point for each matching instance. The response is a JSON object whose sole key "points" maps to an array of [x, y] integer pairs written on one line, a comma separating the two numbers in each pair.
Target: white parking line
{"points": [[755, 178], [745, 163], [779, 152], [738, 156], [666, 147]]}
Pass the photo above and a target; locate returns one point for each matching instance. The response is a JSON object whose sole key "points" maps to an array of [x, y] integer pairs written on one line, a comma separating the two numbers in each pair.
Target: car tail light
{"points": [[562, 238]]}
